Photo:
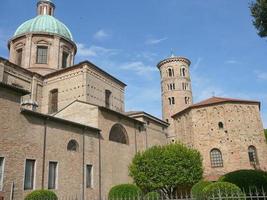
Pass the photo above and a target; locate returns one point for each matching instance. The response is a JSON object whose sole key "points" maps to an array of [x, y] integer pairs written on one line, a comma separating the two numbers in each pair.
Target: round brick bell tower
{"points": [[176, 91]]}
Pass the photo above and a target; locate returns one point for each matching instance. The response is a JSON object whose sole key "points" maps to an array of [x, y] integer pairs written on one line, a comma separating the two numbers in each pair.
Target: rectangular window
{"points": [[29, 174], [52, 177], [19, 57], [53, 101], [41, 57], [89, 169], [1, 172], [65, 57]]}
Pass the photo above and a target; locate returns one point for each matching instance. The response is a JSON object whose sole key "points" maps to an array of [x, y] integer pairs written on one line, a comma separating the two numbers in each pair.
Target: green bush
{"points": [[247, 180], [197, 189], [41, 195], [129, 191], [223, 189], [152, 196]]}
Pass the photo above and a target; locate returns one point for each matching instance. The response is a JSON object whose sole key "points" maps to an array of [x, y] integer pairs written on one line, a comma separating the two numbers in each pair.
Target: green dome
{"points": [[44, 23]]}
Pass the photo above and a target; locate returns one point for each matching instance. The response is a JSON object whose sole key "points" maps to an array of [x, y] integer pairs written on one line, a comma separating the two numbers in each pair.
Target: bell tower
{"points": [[176, 91], [45, 7]]}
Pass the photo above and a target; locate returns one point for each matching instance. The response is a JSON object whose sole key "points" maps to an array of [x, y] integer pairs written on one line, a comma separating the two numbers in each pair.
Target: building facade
{"points": [[63, 126]]}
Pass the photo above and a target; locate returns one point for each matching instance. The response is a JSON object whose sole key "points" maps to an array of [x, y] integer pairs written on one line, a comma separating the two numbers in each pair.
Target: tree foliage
{"points": [[41, 195], [197, 189], [259, 13], [166, 168], [125, 191], [247, 179], [265, 132], [228, 190]]}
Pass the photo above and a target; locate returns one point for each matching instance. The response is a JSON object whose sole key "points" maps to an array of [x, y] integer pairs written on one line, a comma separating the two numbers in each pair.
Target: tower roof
{"points": [[45, 24]]}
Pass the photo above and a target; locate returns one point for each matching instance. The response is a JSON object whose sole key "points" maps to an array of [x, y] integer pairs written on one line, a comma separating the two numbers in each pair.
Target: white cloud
{"points": [[138, 67], [261, 75], [197, 64], [94, 51], [232, 61], [153, 41], [101, 35]]}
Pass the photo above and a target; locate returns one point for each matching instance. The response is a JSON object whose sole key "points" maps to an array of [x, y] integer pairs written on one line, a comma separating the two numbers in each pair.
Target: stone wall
{"points": [[26, 139], [242, 127]]}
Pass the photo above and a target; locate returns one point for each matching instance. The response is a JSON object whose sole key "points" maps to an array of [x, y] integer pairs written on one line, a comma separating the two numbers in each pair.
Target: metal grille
{"points": [[252, 154], [216, 158]]}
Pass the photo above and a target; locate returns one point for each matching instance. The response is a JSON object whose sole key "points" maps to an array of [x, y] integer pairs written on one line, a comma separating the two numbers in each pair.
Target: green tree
{"points": [[265, 132], [166, 168], [259, 13]]}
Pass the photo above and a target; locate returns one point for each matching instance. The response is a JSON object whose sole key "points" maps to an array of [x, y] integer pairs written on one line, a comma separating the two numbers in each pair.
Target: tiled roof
{"points": [[216, 100]]}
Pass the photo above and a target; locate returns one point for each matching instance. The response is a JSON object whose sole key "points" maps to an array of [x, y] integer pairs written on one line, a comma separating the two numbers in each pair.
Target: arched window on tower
{"points": [[252, 154], [73, 145], [170, 72], [216, 158], [118, 134], [170, 101], [183, 72], [173, 100]]}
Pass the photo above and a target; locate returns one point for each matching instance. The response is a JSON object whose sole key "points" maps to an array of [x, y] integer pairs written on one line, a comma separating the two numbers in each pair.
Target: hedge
{"points": [[223, 189], [197, 189], [129, 191], [152, 196], [247, 180], [41, 195]]}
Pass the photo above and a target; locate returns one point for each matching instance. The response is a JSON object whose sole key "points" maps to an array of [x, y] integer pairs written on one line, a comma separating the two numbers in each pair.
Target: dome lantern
{"points": [[45, 7]]}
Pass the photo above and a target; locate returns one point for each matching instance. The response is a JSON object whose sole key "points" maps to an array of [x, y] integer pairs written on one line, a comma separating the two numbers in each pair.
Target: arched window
{"points": [[170, 72], [73, 145], [220, 124], [183, 71], [216, 158], [118, 134], [252, 154]]}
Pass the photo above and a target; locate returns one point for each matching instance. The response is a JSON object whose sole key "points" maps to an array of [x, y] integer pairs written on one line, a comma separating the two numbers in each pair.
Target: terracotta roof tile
{"points": [[216, 100]]}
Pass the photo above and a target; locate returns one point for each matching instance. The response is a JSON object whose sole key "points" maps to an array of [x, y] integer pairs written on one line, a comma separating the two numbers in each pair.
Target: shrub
{"points": [[197, 189], [129, 191], [247, 180], [41, 195], [152, 196], [166, 168], [223, 189]]}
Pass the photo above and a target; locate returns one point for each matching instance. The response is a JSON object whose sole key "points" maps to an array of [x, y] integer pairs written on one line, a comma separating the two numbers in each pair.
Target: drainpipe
{"points": [[44, 152], [100, 166], [83, 166]]}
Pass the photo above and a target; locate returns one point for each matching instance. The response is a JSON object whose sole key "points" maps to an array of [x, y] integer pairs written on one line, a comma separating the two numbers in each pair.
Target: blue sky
{"points": [[128, 38]]}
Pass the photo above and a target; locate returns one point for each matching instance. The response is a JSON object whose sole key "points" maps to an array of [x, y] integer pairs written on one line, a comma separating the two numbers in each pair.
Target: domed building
{"points": [[43, 44]]}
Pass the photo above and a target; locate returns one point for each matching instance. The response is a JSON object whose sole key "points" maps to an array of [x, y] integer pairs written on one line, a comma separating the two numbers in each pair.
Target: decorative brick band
{"points": [[174, 59]]}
